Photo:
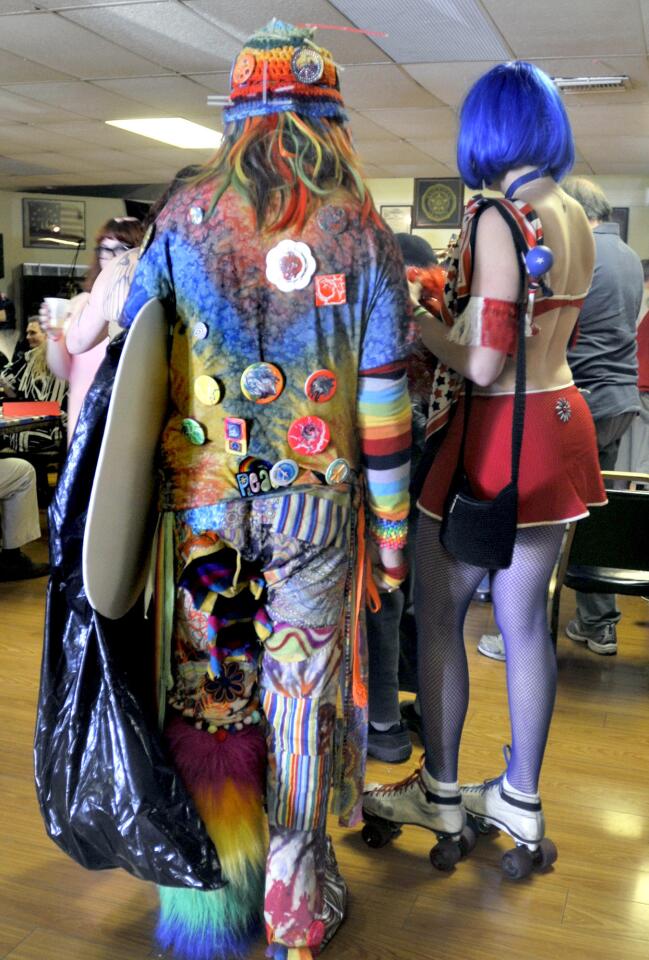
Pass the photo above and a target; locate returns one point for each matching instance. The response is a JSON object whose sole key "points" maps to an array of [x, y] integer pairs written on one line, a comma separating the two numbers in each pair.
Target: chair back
{"points": [[616, 535]]}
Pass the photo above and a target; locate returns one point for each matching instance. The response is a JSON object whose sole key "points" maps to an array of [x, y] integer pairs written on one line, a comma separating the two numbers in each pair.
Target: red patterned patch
{"points": [[330, 290]]}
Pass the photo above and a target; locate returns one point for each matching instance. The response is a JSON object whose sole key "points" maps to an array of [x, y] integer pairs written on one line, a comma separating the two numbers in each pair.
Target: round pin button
{"points": [[331, 219], [307, 65], [284, 473], [193, 431], [338, 471], [207, 390], [196, 215], [308, 435], [262, 382], [200, 330], [243, 69], [321, 385]]}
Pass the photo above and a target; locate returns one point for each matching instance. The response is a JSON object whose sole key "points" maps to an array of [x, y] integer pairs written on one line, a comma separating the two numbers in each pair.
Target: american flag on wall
{"points": [[54, 223]]}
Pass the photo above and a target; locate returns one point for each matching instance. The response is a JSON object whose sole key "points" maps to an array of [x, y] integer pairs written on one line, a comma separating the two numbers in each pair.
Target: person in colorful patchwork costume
{"points": [[289, 418]]}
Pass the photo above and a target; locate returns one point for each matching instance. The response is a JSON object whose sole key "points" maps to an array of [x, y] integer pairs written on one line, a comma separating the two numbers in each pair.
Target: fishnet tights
{"points": [[443, 590]]}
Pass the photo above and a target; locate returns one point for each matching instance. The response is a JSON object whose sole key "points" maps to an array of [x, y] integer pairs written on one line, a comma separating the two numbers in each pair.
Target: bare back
{"points": [[567, 233]]}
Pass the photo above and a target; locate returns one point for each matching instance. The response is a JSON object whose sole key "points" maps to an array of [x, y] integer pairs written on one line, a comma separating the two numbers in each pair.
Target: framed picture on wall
{"points": [[439, 203], [621, 215], [398, 218], [54, 224]]}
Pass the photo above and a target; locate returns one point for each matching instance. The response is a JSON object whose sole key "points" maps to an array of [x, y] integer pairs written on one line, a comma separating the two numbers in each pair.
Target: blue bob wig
{"points": [[512, 117]]}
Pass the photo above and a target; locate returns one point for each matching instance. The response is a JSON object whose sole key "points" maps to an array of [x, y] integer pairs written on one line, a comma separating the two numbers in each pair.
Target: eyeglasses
{"points": [[101, 250]]}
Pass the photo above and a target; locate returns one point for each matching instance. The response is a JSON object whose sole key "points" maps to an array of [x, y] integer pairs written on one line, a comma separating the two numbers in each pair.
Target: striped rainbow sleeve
{"points": [[384, 420]]}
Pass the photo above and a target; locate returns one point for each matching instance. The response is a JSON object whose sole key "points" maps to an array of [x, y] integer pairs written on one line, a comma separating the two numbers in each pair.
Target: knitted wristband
{"points": [[392, 534]]}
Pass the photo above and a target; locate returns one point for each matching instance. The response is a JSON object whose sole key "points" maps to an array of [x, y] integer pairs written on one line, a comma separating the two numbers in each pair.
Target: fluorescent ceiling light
{"points": [[172, 130], [581, 84]]}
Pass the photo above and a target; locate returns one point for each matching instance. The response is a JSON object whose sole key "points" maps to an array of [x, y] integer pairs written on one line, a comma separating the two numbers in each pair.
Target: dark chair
{"points": [[607, 552]]}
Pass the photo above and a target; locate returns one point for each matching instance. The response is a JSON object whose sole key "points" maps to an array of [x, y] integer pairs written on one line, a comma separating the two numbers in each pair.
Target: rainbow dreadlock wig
{"points": [[286, 146]]}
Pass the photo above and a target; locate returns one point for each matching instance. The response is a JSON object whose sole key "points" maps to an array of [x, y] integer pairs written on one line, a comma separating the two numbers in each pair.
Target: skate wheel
{"points": [[517, 863], [376, 836], [445, 855], [468, 840], [478, 825], [546, 854]]}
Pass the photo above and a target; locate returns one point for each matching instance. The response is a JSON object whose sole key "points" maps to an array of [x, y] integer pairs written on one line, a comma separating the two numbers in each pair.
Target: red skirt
{"points": [[559, 474]]}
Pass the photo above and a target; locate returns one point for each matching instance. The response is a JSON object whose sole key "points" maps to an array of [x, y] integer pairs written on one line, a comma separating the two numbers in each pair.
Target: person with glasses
{"points": [[76, 347]]}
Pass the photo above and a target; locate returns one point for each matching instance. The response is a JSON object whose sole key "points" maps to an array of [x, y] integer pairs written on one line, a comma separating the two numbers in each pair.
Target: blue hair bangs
{"points": [[513, 116]]}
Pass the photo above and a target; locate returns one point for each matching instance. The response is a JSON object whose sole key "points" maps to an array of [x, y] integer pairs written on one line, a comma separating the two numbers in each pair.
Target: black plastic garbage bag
{"points": [[108, 793]]}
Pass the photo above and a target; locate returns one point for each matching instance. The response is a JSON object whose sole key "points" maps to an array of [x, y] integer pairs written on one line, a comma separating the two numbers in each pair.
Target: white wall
{"points": [[631, 192]]}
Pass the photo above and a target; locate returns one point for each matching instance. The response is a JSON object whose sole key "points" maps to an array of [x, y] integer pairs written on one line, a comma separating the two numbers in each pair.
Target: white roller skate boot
{"points": [[420, 801], [496, 803]]}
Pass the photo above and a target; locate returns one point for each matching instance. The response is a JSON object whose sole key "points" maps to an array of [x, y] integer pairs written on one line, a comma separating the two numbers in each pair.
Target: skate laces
{"points": [[492, 781], [400, 787]]}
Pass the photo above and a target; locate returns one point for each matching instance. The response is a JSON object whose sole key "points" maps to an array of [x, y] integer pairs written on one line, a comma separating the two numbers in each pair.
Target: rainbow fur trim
{"points": [[226, 781], [276, 951]]}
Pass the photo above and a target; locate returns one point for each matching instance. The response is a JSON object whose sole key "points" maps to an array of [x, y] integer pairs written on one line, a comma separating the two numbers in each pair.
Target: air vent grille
{"points": [[592, 84]]}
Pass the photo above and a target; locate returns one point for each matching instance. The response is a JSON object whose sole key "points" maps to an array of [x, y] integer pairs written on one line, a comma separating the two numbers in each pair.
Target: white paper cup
{"points": [[59, 309]]}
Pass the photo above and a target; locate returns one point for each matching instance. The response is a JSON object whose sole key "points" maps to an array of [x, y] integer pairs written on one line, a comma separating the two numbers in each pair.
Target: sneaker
{"points": [[602, 641], [492, 645], [390, 746], [419, 800], [21, 567], [496, 802], [411, 718]]}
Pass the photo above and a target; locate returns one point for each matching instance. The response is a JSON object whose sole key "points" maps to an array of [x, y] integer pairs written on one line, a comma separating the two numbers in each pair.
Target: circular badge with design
{"points": [[193, 431], [338, 471], [290, 265], [200, 330], [332, 220], [207, 390], [321, 385], [196, 215], [308, 436], [307, 65], [438, 203], [243, 69], [262, 382], [284, 473]]}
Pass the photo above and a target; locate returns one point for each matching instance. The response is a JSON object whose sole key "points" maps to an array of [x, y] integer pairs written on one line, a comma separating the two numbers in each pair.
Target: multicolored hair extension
{"points": [[225, 778], [285, 165]]}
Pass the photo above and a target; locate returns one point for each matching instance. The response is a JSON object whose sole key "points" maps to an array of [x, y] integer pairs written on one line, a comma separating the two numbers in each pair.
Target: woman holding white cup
{"points": [[77, 329]]}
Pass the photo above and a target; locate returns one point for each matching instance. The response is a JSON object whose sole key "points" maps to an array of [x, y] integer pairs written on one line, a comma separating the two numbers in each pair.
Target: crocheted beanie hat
{"points": [[280, 69]]}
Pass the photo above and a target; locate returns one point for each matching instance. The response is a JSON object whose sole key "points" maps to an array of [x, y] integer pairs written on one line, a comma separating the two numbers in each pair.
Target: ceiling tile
{"points": [[216, 82], [598, 149], [448, 81], [428, 30], [95, 132], [164, 32], [442, 149], [168, 96], [61, 45], [416, 122], [610, 119], [365, 129], [383, 153], [429, 169], [636, 68], [23, 109], [89, 99], [20, 138], [20, 70], [242, 19], [555, 28], [59, 162], [383, 85]]}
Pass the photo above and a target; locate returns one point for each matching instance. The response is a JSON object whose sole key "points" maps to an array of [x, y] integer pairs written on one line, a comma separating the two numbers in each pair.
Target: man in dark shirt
{"points": [[604, 365]]}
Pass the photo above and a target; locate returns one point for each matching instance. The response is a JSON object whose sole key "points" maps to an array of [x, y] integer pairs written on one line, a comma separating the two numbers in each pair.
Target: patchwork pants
{"points": [[279, 564]]}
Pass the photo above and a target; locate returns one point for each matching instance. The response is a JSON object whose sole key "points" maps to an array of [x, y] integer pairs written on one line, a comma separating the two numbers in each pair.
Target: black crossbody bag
{"points": [[482, 532]]}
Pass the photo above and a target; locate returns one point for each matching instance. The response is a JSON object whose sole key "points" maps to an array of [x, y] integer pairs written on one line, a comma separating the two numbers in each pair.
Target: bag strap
{"points": [[518, 418]]}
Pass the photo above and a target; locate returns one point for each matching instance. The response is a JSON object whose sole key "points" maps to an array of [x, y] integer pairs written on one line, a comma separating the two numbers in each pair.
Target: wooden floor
{"points": [[593, 905]]}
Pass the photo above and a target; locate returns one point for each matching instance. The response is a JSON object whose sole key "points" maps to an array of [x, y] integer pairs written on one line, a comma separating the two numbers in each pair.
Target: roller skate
{"points": [[495, 803], [419, 801]]}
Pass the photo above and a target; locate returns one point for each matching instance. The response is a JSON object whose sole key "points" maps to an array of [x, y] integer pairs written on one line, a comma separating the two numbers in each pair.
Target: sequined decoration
{"points": [[563, 409]]}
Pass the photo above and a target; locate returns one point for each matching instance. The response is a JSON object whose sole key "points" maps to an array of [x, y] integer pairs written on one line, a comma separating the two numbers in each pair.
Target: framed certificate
{"points": [[439, 203]]}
